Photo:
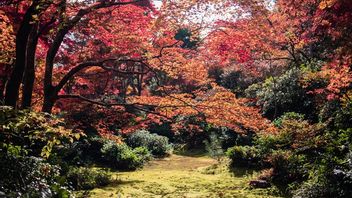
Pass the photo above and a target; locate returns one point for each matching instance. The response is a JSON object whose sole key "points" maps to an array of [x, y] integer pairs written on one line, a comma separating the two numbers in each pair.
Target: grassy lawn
{"points": [[180, 176]]}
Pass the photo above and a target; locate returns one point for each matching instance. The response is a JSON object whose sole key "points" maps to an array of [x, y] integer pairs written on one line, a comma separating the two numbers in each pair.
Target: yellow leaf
{"points": [[77, 136], [326, 4]]}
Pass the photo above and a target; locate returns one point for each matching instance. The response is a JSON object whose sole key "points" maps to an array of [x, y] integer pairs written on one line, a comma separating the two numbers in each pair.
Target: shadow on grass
{"points": [[192, 153], [242, 171], [119, 182]]}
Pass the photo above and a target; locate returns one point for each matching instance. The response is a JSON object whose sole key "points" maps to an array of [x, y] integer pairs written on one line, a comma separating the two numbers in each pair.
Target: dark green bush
{"points": [[123, 157], [29, 177], [158, 145], [86, 151], [288, 168], [214, 147], [331, 174], [235, 81], [83, 178], [244, 156], [306, 159], [282, 94]]}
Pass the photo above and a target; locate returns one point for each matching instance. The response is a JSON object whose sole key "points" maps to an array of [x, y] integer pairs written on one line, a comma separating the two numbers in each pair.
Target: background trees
{"points": [[104, 52]]}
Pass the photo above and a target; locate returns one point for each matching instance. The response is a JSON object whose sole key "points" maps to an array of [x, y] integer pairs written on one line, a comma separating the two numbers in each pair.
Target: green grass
{"points": [[180, 176]]}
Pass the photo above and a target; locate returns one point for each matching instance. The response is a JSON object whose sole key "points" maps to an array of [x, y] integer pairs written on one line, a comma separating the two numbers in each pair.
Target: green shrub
{"points": [[86, 151], [158, 145], [327, 180], [244, 156], [306, 159], [83, 178], [123, 157], [288, 167], [31, 133], [288, 116], [214, 146], [282, 94], [29, 177], [103, 152]]}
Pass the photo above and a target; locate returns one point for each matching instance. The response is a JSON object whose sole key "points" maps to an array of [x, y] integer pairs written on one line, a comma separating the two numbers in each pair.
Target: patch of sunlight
{"points": [[181, 176]]}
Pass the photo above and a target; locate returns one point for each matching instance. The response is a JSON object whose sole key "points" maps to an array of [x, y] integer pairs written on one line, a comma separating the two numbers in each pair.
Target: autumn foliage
{"points": [[153, 64]]}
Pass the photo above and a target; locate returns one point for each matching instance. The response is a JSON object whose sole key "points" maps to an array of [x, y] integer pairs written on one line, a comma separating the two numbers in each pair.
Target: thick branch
{"points": [[76, 69], [64, 30], [101, 63]]}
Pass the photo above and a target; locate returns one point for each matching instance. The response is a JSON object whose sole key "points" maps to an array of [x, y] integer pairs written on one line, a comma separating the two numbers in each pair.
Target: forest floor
{"points": [[181, 176]]}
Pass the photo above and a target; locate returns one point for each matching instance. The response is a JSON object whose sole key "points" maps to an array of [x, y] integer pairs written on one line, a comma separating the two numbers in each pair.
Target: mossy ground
{"points": [[180, 176]]}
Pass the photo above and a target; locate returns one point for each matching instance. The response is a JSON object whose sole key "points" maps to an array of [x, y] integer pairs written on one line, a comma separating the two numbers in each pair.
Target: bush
{"points": [[244, 156], [288, 167], [327, 182], [29, 177], [101, 151], [214, 146], [85, 152], [282, 94], [156, 144], [32, 133], [123, 157], [306, 159], [83, 178]]}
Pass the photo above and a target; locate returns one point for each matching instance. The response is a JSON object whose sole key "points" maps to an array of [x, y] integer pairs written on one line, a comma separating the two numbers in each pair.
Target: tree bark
{"points": [[49, 102], [29, 74], [6, 68], [13, 85]]}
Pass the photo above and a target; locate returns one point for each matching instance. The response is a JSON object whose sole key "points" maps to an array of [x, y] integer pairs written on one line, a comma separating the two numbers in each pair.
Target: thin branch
{"points": [[137, 106], [78, 68]]}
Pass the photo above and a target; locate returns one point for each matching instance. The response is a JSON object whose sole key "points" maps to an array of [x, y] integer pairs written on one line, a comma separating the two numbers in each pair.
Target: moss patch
{"points": [[180, 176]]}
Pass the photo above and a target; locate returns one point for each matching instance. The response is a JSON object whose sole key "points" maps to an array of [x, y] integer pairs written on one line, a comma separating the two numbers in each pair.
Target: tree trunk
{"points": [[13, 85], [6, 68], [29, 74], [49, 101]]}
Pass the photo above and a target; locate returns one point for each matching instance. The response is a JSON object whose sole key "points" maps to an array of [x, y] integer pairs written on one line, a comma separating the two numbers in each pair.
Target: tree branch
{"points": [[100, 63], [64, 30]]}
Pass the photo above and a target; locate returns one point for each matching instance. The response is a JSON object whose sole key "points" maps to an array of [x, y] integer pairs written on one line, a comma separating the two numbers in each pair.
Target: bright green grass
{"points": [[180, 176]]}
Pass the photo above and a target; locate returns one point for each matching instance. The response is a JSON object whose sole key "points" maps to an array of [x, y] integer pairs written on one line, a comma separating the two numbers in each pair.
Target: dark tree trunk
{"points": [[6, 68], [29, 74], [13, 85], [2, 88], [49, 103]]}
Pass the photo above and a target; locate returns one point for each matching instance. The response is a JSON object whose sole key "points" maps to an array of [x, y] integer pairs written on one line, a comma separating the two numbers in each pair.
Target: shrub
{"points": [[87, 151], [214, 146], [158, 145], [83, 178], [306, 159], [29, 177], [244, 156], [123, 157], [288, 167], [310, 191], [282, 94], [31, 132]]}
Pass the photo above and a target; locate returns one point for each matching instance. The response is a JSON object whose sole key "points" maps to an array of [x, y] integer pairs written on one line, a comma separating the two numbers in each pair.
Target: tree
{"points": [[107, 52], [6, 50], [36, 21]]}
